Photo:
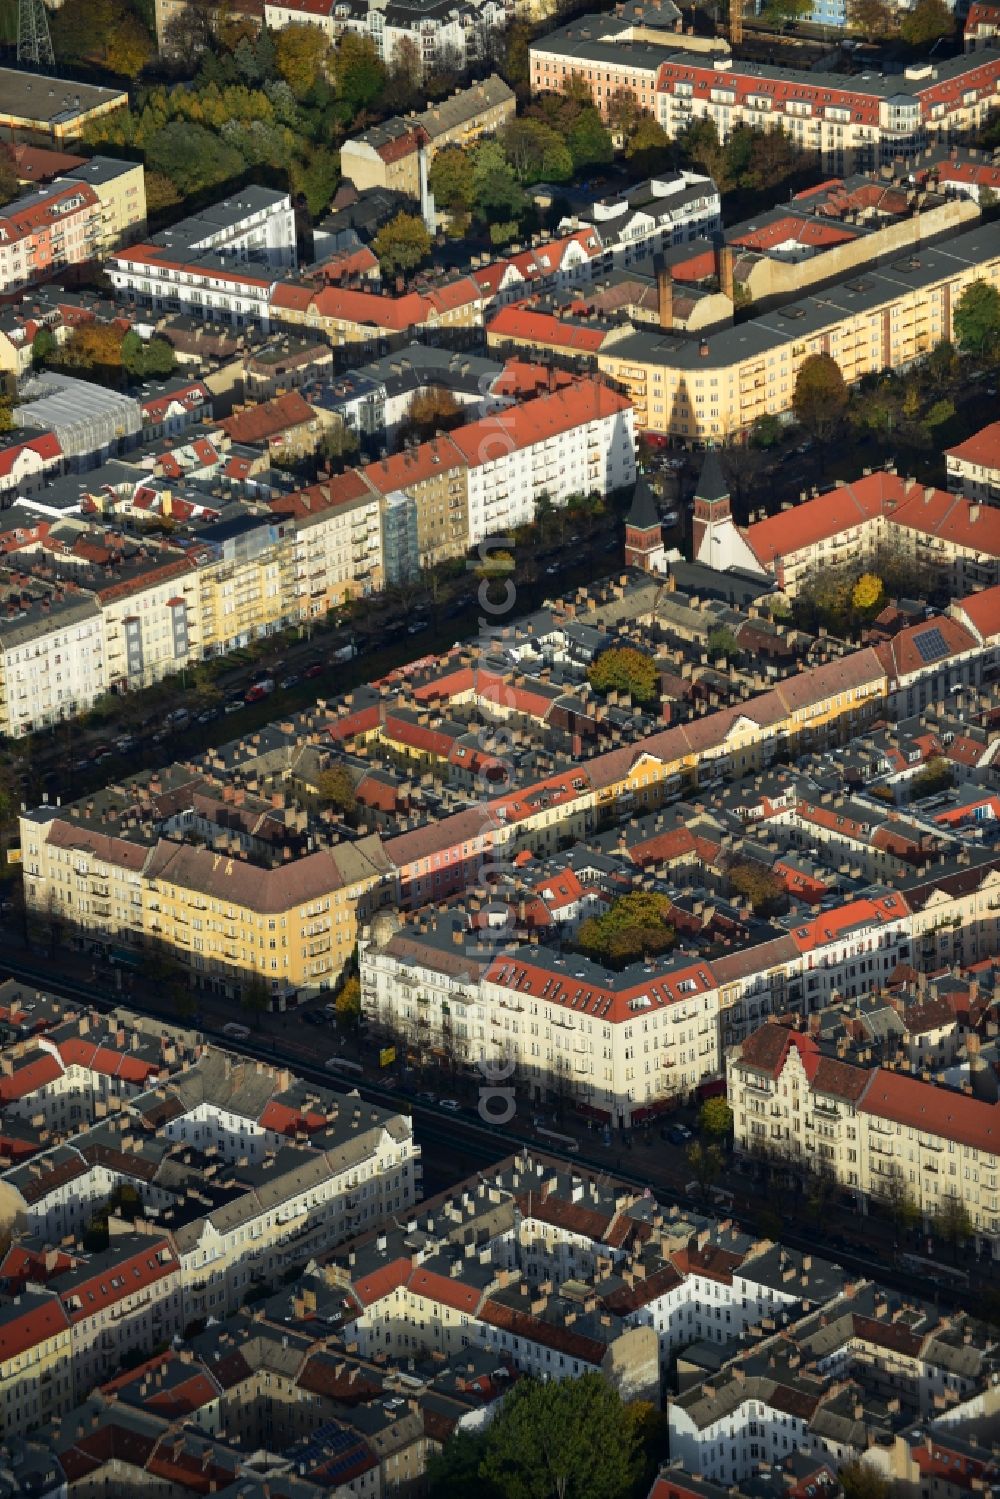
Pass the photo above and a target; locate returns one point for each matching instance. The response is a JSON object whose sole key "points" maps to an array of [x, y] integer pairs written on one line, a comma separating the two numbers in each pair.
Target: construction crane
{"points": [[736, 22], [34, 41]]}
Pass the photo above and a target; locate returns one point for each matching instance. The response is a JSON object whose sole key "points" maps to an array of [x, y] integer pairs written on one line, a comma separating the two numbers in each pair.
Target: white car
{"points": [[450, 1106]]}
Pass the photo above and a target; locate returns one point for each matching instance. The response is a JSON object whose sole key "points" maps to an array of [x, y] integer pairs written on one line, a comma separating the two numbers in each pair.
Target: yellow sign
{"points": [[387, 1056]]}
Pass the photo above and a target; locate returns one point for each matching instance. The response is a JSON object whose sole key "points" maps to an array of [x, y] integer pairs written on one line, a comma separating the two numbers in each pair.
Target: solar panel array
{"points": [[931, 644]]}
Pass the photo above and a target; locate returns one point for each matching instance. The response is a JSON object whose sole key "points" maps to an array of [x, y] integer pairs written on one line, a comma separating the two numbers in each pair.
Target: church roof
{"points": [[712, 483], [644, 514]]}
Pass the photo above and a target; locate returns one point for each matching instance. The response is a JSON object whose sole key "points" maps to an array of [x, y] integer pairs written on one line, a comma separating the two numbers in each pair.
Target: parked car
{"points": [[315, 670], [417, 627], [260, 690], [234, 705], [679, 1134], [289, 681], [671, 518], [450, 1106]]}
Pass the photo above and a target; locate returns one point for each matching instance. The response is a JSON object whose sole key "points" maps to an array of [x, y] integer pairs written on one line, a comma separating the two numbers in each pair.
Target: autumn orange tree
{"points": [[624, 669]]}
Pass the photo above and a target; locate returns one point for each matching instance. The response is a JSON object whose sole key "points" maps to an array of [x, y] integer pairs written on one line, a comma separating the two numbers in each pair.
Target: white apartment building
{"points": [[651, 217], [577, 440], [974, 466], [221, 264], [53, 659]]}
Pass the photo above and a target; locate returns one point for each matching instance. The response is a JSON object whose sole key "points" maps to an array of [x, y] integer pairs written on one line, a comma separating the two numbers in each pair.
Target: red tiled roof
{"points": [[258, 423], [46, 445], [523, 323], [933, 1109]]}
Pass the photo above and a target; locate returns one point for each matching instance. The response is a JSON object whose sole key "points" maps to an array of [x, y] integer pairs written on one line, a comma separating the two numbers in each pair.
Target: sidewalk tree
{"points": [[562, 1437], [348, 1002], [977, 319], [715, 1119], [820, 397], [952, 1223], [706, 1162], [895, 1197], [255, 997]]}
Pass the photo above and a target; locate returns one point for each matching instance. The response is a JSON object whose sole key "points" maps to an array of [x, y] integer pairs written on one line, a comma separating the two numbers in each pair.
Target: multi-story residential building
{"points": [[714, 387], [221, 264], [877, 1130], [81, 216], [434, 33], [234, 1173], [388, 155], [25, 463], [954, 540], [575, 440], [337, 543], [974, 466], [853, 123], [350, 317]]}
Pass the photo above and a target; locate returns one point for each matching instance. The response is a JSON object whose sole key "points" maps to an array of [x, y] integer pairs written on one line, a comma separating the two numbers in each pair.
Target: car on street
{"points": [[671, 518], [417, 627], [450, 1106], [289, 681], [234, 705], [676, 1134], [315, 670]]}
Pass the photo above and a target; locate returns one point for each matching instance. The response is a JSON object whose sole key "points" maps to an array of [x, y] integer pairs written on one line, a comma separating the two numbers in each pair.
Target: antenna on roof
{"points": [[34, 42]]}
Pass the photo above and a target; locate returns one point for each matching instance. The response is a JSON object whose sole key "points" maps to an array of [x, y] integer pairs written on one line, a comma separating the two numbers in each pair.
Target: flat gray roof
{"points": [[35, 96]]}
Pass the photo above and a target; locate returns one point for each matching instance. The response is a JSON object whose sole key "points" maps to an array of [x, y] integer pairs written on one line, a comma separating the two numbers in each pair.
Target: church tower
{"points": [[711, 508], [643, 531]]}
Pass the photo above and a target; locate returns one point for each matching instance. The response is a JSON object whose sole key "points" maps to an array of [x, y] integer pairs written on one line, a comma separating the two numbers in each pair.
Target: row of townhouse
{"points": [[950, 540], [234, 1172], [884, 1132], [83, 215], [145, 613], [880, 317], [625, 1046], [130, 880], [443, 33], [854, 123]]}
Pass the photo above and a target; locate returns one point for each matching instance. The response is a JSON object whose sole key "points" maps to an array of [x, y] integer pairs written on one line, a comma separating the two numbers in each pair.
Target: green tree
{"points": [[977, 319], [768, 430], [927, 22], [894, 1195], [10, 186], [820, 397], [706, 1162], [255, 997], [715, 1119], [648, 145], [860, 1480], [867, 593], [454, 1472], [634, 926], [336, 787], [192, 157], [402, 243], [625, 669], [722, 642], [757, 884], [952, 1223], [358, 71], [496, 565], [871, 18], [935, 776], [452, 179], [566, 1437], [589, 142], [43, 347], [129, 47], [780, 12], [301, 52]]}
